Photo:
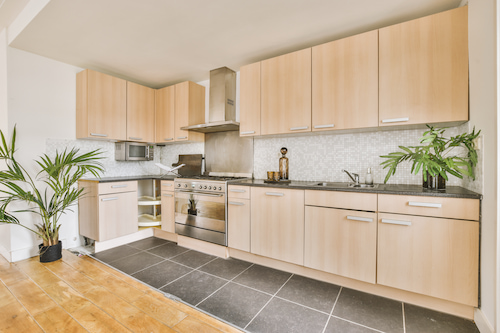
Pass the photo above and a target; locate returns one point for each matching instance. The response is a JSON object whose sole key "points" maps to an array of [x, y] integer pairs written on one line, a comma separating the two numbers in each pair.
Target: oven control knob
{"points": [[178, 185], [205, 187], [201, 186], [220, 188], [185, 185], [210, 187]]}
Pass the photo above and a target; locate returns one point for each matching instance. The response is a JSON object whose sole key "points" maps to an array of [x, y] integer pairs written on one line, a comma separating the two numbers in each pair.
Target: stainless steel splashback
{"points": [[227, 152]]}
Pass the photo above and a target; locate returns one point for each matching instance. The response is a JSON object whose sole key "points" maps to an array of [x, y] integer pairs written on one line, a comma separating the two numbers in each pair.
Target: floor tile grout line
{"points": [[93, 255], [269, 301], [404, 321], [146, 267], [302, 305], [358, 324], [331, 311]]}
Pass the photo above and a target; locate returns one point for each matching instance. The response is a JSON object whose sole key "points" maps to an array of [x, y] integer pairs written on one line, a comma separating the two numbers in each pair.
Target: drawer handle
{"points": [[357, 218], [98, 134], [247, 132], [424, 204], [118, 186], [406, 223], [325, 126], [275, 194], [168, 139], [166, 184], [396, 120], [181, 137], [167, 195], [236, 203], [298, 128], [134, 138], [237, 191], [109, 199]]}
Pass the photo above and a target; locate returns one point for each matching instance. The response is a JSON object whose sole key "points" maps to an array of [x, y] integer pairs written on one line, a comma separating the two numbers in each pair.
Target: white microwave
{"points": [[133, 151]]}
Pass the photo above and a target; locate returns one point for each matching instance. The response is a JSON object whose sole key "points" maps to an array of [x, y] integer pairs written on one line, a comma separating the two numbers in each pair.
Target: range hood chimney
{"points": [[222, 108]]}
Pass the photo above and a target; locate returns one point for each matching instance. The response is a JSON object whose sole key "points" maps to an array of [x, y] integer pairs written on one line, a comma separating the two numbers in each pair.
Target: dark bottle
{"points": [[284, 164]]}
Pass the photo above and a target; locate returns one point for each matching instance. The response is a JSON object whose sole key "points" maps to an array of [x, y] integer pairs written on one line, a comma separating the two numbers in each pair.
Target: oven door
{"points": [[201, 215]]}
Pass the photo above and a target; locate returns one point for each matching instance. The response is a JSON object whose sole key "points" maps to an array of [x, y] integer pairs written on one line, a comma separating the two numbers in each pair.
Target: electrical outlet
{"points": [[478, 142]]}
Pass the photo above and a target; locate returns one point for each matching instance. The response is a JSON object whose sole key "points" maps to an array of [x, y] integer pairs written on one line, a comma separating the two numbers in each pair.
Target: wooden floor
{"points": [[79, 294]]}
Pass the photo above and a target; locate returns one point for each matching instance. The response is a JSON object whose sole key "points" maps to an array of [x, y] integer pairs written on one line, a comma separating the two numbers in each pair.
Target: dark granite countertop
{"points": [[451, 191], [129, 178]]}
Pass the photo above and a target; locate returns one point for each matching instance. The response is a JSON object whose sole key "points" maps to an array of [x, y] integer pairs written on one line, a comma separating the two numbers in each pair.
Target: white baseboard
{"points": [[482, 322], [109, 244], [6, 254]]}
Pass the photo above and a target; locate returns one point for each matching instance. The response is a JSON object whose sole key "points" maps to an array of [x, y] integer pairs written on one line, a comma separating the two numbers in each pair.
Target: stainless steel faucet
{"points": [[355, 179]]}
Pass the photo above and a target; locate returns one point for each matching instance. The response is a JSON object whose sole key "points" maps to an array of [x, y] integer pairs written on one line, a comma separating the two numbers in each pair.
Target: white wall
{"points": [[483, 115]]}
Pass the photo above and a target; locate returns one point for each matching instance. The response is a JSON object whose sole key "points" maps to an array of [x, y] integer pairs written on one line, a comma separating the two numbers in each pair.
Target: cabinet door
{"points": [[107, 106], [140, 113], [432, 256], [277, 224], [167, 211], [286, 93], [165, 114], [341, 242], [250, 100], [424, 70], [238, 220], [117, 215], [189, 110], [345, 83]]}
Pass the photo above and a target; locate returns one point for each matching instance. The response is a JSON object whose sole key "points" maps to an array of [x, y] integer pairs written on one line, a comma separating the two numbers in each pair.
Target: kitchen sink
{"points": [[363, 185], [340, 185]]}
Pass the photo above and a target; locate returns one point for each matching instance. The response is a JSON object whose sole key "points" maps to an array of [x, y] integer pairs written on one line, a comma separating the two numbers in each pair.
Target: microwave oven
{"points": [[133, 151]]}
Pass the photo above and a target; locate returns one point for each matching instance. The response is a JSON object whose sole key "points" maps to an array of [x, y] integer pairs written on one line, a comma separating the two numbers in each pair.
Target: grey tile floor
{"points": [[261, 299]]}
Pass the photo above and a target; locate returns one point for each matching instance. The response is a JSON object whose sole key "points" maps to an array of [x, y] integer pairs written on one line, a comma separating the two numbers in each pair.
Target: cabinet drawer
{"points": [[242, 192], [457, 208], [167, 185], [117, 187], [344, 200]]}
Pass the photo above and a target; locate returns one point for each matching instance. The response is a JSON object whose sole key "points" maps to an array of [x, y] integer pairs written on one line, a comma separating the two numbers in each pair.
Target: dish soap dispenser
{"points": [[283, 164], [369, 178]]}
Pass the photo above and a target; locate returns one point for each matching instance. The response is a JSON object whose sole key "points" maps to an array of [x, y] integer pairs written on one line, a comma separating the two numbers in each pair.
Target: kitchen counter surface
{"points": [[129, 178], [450, 191]]}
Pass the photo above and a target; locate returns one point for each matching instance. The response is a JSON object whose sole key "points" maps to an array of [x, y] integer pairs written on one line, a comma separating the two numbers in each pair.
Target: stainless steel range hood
{"points": [[222, 108]]}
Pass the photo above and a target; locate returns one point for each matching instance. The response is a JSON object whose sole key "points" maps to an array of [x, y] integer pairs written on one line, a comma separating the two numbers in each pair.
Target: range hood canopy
{"points": [[222, 108]]}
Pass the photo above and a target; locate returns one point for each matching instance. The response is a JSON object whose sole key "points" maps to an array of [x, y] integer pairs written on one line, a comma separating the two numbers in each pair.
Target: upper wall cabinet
{"points": [[140, 113], [345, 83], [286, 93], [165, 114], [423, 66], [250, 100], [101, 106]]}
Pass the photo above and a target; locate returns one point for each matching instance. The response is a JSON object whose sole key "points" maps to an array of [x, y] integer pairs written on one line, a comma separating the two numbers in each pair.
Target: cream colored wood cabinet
{"points": [[238, 217], [286, 93], [107, 210], [423, 70], [345, 83], [167, 206], [165, 115], [429, 255], [250, 100], [101, 106], [277, 224], [140, 113], [341, 241]]}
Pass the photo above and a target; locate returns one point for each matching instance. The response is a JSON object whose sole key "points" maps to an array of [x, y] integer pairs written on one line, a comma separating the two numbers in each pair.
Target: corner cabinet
{"points": [[140, 113], [167, 206], [101, 106], [423, 74]]}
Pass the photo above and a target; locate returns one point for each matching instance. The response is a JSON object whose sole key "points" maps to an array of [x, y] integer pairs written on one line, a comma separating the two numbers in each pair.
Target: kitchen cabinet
{"points": [[345, 83], [423, 70], [107, 210], [429, 252], [165, 114], [277, 224], [341, 241], [250, 100], [286, 93], [149, 202], [101, 106], [140, 113], [167, 206], [238, 217]]}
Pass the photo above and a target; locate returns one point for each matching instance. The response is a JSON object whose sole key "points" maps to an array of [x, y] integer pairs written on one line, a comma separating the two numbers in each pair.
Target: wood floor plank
{"points": [[74, 278], [6, 296], [69, 299], [192, 325], [165, 313], [34, 299], [57, 320], [9, 274], [98, 321], [37, 272], [120, 288], [15, 319]]}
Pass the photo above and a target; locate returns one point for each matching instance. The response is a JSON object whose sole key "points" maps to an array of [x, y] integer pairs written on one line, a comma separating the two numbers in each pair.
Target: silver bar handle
{"points": [[236, 203], [275, 194], [358, 218], [109, 199], [395, 120], [167, 195], [181, 137], [134, 138], [237, 191], [199, 193], [325, 126], [298, 128], [118, 186], [166, 184], [98, 134], [424, 204], [247, 132], [168, 139], [406, 223]]}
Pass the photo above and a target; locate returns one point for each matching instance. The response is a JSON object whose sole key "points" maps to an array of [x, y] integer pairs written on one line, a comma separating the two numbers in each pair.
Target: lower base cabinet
{"points": [[238, 220], [167, 206]]}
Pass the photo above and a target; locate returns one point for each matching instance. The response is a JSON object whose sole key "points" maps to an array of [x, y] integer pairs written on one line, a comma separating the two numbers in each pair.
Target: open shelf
{"points": [[149, 201], [147, 220]]}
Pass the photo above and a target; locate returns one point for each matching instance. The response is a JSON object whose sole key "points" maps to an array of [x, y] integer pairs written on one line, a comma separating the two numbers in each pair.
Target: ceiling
{"points": [[162, 42]]}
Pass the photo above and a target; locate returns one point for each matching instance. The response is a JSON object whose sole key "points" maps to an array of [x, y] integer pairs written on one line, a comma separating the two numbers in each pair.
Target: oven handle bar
{"points": [[201, 193]]}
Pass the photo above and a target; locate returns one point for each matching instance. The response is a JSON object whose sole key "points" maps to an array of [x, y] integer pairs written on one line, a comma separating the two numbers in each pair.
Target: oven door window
{"points": [[201, 210]]}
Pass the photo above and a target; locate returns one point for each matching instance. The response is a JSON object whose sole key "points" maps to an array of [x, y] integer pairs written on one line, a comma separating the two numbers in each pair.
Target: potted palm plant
{"points": [[437, 157], [49, 195]]}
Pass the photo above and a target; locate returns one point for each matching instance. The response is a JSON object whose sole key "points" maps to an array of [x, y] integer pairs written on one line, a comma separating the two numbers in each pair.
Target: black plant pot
{"points": [[434, 183], [50, 253]]}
